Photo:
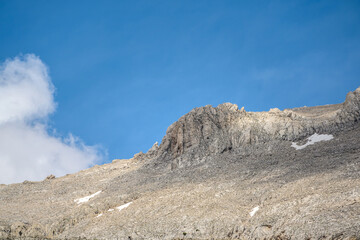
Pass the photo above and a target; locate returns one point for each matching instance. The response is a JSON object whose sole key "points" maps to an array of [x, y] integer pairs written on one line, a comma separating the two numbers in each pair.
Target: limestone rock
{"points": [[50, 177], [207, 130], [214, 166]]}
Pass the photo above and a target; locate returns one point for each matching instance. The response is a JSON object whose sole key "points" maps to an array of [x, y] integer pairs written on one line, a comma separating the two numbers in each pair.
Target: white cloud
{"points": [[27, 151], [26, 91]]}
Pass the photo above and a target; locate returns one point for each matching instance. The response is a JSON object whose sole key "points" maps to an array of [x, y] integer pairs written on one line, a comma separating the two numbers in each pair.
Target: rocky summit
{"points": [[219, 173]]}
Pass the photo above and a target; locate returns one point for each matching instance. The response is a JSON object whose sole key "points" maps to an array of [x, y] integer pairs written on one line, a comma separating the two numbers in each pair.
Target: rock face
{"points": [[219, 173], [209, 130]]}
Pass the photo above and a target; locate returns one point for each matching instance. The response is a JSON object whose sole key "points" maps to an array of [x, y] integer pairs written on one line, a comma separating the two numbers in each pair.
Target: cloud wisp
{"points": [[27, 150]]}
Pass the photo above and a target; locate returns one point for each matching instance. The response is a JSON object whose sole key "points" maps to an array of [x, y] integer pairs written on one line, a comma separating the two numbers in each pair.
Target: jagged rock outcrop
{"points": [[208, 130], [219, 173]]}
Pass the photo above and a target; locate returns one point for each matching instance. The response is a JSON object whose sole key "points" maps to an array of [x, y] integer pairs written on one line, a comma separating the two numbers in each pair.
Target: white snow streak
{"points": [[99, 215], [253, 211], [312, 140], [123, 206], [87, 198], [110, 210]]}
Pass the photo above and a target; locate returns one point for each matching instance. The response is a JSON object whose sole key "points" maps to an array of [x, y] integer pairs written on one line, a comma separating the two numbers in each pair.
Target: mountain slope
{"points": [[220, 173]]}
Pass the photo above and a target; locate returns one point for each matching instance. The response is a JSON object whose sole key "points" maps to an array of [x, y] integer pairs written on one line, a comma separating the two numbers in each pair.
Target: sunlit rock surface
{"points": [[219, 173]]}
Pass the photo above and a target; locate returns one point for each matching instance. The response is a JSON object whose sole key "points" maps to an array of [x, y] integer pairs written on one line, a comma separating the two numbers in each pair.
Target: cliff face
{"points": [[208, 130], [219, 173]]}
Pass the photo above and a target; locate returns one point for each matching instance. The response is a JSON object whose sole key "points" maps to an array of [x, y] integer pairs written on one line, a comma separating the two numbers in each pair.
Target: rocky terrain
{"points": [[219, 173]]}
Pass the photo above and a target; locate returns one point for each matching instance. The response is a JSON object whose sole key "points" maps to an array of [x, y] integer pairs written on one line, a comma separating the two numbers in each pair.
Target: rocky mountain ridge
{"points": [[219, 173], [208, 130]]}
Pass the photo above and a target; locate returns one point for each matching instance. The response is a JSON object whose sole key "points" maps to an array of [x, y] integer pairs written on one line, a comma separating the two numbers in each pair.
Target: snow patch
{"points": [[87, 198], [110, 210], [99, 215], [313, 139], [123, 206], [254, 210]]}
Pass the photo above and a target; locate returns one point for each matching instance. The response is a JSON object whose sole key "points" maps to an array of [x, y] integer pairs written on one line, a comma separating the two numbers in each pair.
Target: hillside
{"points": [[219, 173]]}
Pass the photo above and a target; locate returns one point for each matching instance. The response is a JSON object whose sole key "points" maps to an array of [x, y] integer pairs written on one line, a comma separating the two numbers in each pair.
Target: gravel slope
{"points": [[219, 173]]}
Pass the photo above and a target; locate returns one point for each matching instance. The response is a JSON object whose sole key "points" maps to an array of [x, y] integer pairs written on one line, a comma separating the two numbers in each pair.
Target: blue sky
{"points": [[123, 71]]}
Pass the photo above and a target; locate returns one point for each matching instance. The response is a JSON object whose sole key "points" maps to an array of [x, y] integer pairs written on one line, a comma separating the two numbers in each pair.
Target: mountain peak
{"points": [[211, 130], [219, 173]]}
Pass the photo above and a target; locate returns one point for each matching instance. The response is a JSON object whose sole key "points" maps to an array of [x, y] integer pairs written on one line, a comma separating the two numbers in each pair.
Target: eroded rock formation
{"points": [[219, 173], [208, 130]]}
